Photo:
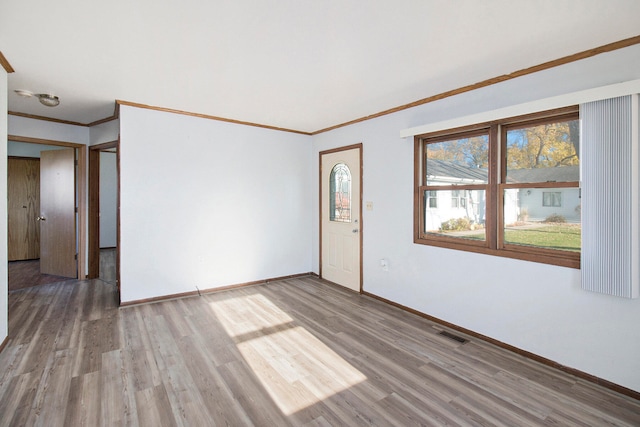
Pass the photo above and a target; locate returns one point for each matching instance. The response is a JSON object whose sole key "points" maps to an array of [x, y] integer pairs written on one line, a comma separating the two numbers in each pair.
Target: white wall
{"points": [[108, 199], [104, 132], [100, 134], [4, 279], [207, 203], [43, 129], [536, 307]]}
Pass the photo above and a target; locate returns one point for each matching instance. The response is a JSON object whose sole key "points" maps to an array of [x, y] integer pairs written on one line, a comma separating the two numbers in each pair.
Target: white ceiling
{"points": [[298, 64]]}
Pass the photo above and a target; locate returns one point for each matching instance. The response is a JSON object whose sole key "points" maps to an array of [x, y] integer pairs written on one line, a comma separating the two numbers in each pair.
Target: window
{"points": [[553, 199], [340, 193], [433, 199], [513, 186], [457, 199]]}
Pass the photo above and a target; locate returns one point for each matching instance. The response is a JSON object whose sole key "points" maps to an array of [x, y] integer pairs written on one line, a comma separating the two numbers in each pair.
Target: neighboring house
{"points": [[536, 204], [527, 204], [443, 205]]}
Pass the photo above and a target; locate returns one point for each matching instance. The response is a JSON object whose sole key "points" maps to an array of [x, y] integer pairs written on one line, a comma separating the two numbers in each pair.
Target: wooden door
{"points": [[57, 213], [23, 203], [341, 206]]}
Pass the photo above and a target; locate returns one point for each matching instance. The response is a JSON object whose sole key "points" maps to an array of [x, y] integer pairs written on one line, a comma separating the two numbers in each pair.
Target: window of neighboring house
{"points": [[433, 199], [456, 200], [552, 198], [495, 175]]}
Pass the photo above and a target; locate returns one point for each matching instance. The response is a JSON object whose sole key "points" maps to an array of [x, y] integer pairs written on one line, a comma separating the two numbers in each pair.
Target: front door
{"points": [[58, 213], [341, 206]]}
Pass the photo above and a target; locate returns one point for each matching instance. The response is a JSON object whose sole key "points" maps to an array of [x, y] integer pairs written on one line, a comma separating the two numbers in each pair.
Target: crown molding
{"points": [[610, 47], [5, 64], [209, 117], [560, 101], [46, 119], [115, 116], [631, 41]]}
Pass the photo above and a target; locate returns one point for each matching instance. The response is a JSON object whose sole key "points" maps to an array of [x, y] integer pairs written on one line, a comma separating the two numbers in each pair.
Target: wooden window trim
{"points": [[494, 225]]}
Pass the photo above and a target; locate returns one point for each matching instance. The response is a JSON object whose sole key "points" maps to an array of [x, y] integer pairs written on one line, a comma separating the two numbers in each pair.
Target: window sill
{"points": [[568, 259]]}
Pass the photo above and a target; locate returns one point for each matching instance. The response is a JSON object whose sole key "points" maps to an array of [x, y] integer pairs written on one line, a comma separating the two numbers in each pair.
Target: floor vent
{"points": [[453, 337]]}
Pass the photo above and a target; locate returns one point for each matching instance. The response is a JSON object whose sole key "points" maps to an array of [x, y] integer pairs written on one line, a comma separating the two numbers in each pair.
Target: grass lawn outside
{"points": [[561, 236], [566, 237]]}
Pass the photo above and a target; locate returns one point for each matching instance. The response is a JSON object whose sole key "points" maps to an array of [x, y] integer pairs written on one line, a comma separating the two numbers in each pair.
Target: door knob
{"points": [[41, 218], [355, 230]]}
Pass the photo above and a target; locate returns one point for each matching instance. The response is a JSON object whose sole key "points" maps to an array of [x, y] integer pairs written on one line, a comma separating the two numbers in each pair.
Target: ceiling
{"points": [[298, 64]]}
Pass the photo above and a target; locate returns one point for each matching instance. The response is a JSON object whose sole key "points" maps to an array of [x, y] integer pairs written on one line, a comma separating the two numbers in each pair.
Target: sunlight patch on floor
{"points": [[295, 368]]}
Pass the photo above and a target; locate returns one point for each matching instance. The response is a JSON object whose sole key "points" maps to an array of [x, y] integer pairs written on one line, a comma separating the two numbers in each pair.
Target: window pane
{"points": [[552, 198], [544, 153], [464, 220], [458, 161], [543, 218], [340, 193]]}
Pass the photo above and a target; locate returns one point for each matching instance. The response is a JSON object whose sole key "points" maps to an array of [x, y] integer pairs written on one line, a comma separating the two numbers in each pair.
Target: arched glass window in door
{"points": [[340, 193]]}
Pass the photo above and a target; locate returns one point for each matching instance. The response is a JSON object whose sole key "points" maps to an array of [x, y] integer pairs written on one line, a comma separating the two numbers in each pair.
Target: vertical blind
{"points": [[610, 259]]}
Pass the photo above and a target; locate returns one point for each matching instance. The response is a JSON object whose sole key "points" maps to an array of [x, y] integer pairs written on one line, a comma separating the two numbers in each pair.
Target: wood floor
{"points": [[107, 268], [24, 274], [297, 352]]}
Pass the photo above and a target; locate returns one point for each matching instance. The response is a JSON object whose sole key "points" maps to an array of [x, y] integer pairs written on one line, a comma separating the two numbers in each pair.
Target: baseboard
{"points": [[4, 343], [210, 290], [336, 285], [543, 360]]}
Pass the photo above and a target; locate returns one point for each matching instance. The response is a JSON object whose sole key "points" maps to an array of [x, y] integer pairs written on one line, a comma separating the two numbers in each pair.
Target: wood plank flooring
{"points": [[107, 268], [297, 352], [24, 274]]}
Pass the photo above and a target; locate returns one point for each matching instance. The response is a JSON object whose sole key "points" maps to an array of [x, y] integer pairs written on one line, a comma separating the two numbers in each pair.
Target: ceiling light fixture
{"points": [[47, 99], [25, 93]]}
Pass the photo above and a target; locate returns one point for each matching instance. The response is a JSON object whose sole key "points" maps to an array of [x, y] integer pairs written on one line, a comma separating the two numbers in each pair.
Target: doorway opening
{"points": [[46, 226], [104, 214]]}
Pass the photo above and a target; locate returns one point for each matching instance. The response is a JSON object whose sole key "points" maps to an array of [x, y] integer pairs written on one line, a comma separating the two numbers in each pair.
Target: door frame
{"points": [[94, 210], [81, 177], [359, 199]]}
